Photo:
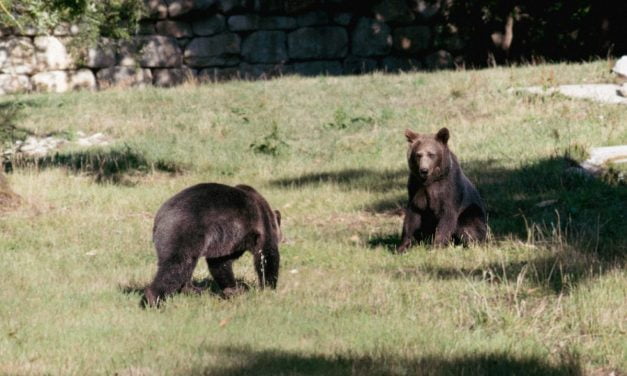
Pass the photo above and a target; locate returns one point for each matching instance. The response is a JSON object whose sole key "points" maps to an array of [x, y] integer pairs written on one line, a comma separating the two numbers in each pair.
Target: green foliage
{"points": [[549, 30], [342, 120], [9, 132], [271, 144], [94, 18]]}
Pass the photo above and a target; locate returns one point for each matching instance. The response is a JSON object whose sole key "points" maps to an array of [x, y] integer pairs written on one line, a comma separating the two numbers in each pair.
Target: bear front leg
{"points": [[267, 266], [411, 224], [445, 229], [222, 273]]}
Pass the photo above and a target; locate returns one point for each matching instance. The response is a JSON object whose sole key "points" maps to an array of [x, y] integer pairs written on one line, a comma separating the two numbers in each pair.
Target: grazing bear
{"points": [[219, 223], [443, 203]]}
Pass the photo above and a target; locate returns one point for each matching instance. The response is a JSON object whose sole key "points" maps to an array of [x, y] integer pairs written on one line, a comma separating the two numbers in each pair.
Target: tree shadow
{"points": [[9, 114], [105, 165], [577, 222], [350, 179], [553, 200], [558, 273], [550, 199], [244, 360]]}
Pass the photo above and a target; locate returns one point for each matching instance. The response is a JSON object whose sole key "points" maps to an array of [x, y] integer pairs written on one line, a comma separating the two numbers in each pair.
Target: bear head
{"points": [[428, 154]]}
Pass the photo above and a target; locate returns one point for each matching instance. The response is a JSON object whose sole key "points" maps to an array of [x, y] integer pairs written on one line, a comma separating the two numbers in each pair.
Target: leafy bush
{"points": [[107, 18]]}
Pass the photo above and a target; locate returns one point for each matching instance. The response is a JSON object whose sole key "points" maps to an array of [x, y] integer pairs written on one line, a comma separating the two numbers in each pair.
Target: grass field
{"points": [[547, 295]]}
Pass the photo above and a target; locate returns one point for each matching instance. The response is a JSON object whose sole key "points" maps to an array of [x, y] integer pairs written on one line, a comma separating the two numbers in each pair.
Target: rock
{"points": [[230, 6], [52, 54], [244, 22], [620, 68], [96, 139], [176, 29], [156, 9], [605, 93], [412, 39], [65, 29], [343, 19], [426, 9], [146, 27], [217, 74], [277, 23], [359, 65], [371, 38], [51, 81], [202, 5], [183, 42], [14, 84], [396, 64], [201, 52], [209, 26], [177, 8], [600, 156], [172, 77], [128, 53], [392, 11], [248, 22], [255, 71], [28, 31], [316, 68], [159, 52], [313, 19], [17, 55], [325, 42], [439, 60], [100, 56], [265, 47], [123, 77], [83, 79]]}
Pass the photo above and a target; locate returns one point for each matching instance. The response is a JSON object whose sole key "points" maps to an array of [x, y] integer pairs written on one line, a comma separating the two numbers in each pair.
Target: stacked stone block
{"points": [[202, 40]]}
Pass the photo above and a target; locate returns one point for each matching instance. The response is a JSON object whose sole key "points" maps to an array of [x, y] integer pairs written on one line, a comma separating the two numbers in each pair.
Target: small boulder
{"points": [[620, 68]]}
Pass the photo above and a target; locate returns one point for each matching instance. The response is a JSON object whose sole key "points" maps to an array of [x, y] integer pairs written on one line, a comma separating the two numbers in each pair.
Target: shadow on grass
{"points": [[248, 361], [199, 286], [577, 223], [558, 273], [104, 165], [544, 199], [350, 179]]}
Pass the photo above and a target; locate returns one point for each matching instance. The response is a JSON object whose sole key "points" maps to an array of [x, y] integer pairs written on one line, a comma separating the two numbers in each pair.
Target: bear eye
{"points": [[431, 155], [419, 155]]}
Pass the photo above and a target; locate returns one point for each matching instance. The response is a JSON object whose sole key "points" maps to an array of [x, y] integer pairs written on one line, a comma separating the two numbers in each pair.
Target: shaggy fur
{"points": [[443, 204], [219, 223]]}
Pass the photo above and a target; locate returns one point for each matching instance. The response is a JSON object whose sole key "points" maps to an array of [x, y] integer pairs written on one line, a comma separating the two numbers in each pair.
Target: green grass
{"points": [[546, 295]]}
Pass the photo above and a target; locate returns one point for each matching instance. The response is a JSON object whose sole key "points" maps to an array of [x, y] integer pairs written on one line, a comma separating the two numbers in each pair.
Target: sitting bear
{"points": [[219, 223], [443, 203]]}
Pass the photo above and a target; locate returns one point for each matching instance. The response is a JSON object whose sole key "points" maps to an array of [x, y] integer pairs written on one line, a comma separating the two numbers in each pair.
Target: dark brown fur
{"points": [[219, 223], [443, 203]]}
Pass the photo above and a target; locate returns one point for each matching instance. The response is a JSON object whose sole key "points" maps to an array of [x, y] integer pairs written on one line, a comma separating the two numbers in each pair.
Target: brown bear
{"points": [[443, 204], [219, 223]]}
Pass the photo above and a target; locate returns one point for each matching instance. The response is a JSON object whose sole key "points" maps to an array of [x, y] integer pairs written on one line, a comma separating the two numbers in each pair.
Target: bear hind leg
{"points": [[471, 226], [172, 276]]}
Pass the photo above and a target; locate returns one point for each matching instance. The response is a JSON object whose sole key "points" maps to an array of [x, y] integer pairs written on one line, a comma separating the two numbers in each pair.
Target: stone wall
{"points": [[225, 39]]}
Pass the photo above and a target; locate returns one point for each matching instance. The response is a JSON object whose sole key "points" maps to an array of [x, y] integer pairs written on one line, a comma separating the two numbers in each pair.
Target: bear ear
{"points": [[410, 135], [277, 214], [442, 135]]}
